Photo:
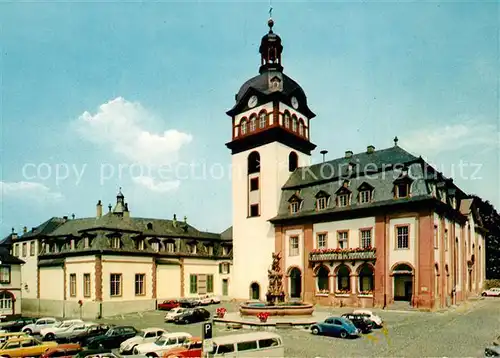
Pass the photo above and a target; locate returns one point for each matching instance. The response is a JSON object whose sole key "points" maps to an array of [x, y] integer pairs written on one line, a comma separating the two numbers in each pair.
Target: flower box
{"points": [[342, 295], [263, 316], [220, 312], [322, 295]]}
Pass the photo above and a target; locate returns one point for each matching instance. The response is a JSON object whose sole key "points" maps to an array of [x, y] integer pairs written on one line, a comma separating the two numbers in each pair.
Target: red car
{"points": [[63, 350], [168, 305], [192, 349]]}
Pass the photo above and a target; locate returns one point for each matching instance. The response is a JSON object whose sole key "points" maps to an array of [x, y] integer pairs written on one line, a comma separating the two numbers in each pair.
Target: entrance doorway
{"points": [[403, 283], [225, 287], [295, 283], [255, 291]]}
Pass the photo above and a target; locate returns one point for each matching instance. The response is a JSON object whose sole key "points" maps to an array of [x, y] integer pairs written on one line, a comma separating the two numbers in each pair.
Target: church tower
{"points": [[270, 139]]}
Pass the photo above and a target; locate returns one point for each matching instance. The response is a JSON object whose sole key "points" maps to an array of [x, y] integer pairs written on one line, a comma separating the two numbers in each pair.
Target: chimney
{"points": [[14, 234], [185, 219], [109, 207], [348, 153], [174, 221], [65, 218], [370, 149], [73, 216], [99, 209], [25, 229], [33, 228]]}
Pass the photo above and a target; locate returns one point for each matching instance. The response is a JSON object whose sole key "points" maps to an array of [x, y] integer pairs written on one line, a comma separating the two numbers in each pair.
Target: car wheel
{"points": [[343, 334], [315, 331], [185, 321], [49, 336], [152, 355], [134, 349], [100, 346], [483, 294], [28, 331]]}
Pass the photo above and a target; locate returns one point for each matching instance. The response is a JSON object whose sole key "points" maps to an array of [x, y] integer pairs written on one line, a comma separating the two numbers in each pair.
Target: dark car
{"points": [[192, 316], [90, 332], [360, 321], [493, 351], [186, 303], [168, 305], [16, 325], [113, 337], [94, 352]]}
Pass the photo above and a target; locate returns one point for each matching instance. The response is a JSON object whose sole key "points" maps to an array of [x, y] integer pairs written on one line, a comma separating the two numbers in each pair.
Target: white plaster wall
{"points": [[352, 226], [400, 255], [298, 260], [128, 266], [168, 281], [204, 267], [52, 283], [253, 238], [29, 271], [80, 265]]}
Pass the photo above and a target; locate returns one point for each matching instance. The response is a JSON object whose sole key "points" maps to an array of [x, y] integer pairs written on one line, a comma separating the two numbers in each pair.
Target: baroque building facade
{"points": [[114, 263], [365, 229]]}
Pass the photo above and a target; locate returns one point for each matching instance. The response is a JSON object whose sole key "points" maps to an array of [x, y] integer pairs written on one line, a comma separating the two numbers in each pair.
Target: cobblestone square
{"points": [[463, 331]]}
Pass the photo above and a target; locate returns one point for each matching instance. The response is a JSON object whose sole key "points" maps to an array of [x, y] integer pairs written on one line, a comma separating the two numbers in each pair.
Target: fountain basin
{"points": [[287, 309]]}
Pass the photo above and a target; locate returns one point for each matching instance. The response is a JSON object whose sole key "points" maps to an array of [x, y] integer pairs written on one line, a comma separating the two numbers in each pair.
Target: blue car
{"points": [[336, 326]]}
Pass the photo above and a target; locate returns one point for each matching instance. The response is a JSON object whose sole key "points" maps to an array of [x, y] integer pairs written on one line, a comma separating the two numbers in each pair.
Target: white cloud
{"points": [[435, 140], [157, 186], [121, 126], [29, 190]]}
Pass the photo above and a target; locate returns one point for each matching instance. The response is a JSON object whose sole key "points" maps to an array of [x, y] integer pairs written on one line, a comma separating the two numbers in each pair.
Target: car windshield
{"points": [[110, 332], [60, 324], [160, 341], [142, 334]]}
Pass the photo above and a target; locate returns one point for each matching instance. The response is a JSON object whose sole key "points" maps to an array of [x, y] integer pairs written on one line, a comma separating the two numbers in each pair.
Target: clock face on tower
{"points": [[295, 103], [252, 102]]}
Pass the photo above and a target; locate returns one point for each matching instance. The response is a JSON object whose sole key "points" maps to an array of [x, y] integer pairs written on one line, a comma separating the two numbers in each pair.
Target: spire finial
{"points": [[270, 22], [396, 140]]}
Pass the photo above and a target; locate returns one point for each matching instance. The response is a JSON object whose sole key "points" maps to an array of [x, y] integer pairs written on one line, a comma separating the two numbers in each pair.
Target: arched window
{"points": [[294, 123], [343, 279], [253, 163], [253, 123], [301, 127], [262, 120], [293, 161], [366, 279], [150, 226], [243, 126], [287, 120], [322, 280]]}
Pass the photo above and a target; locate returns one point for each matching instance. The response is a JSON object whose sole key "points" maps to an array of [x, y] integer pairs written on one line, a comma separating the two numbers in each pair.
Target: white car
{"points": [[49, 333], [146, 335], [372, 317], [174, 312], [35, 328], [162, 344], [209, 299], [494, 291]]}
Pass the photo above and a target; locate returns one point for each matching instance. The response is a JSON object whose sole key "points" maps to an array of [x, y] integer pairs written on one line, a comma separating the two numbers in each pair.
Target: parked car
{"points": [[336, 326], [146, 335], [378, 322], [192, 348], [25, 347], [16, 325], [162, 344], [90, 332], [68, 333], [188, 303], [361, 321], [192, 315], [170, 317], [209, 299], [113, 337], [494, 292], [63, 350], [492, 351], [91, 353], [35, 328], [168, 305], [50, 333]]}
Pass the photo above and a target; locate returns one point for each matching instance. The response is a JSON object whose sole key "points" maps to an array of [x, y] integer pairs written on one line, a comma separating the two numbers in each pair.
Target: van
{"points": [[256, 344]]}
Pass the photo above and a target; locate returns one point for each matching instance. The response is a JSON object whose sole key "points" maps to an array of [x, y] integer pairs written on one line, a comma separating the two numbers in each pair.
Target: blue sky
{"points": [[91, 86]]}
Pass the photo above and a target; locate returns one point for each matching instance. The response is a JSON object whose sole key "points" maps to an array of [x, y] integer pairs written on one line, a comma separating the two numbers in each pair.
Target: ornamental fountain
{"points": [[275, 303]]}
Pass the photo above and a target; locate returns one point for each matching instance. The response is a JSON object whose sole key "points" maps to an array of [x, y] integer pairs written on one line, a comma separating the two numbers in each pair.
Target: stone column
{"points": [[331, 282], [354, 283]]}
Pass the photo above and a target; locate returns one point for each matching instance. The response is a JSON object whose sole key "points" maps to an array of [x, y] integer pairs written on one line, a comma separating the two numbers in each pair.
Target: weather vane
{"points": [[270, 9]]}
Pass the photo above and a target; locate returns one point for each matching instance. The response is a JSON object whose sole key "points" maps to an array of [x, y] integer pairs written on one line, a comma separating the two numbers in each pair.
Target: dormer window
{"points": [[72, 244], [140, 245], [116, 243], [170, 247], [365, 196], [294, 204], [155, 245], [343, 200], [432, 189], [402, 185], [86, 242], [149, 226], [402, 190], [343, 194], [262, 120], [322, 200], [191, 248], [243, 127], [225, 250], [287, 120], [210, 249], [253, 124]]}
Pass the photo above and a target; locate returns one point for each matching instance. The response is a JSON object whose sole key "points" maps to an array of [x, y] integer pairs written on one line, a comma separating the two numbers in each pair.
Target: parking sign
{"points": [[207, 330]]}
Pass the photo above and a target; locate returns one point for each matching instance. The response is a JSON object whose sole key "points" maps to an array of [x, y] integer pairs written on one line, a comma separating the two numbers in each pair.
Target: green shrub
{"points": [[491, 283]]}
